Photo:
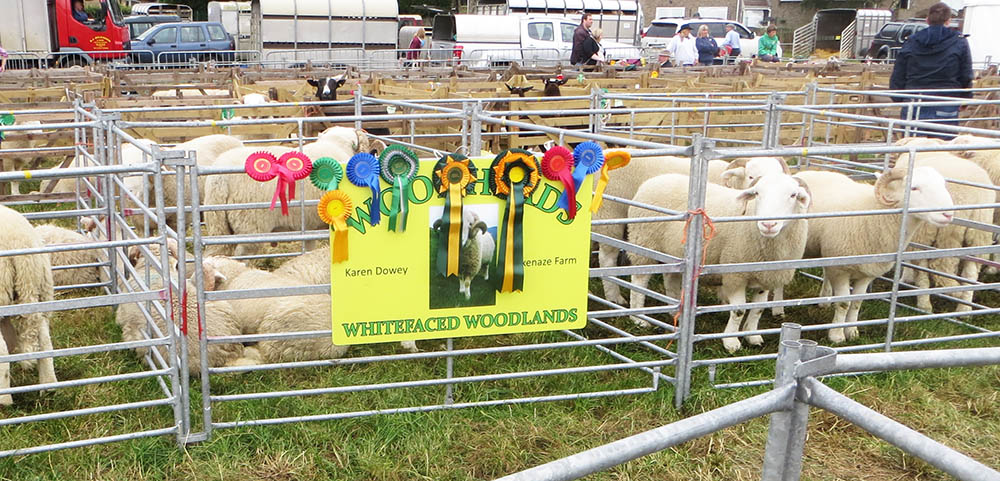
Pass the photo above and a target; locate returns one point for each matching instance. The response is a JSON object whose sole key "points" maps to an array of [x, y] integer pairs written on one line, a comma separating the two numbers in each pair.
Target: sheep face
{"points": [[326, 88], [927, 192], [776, 195], [519, 91], [552, 86]]}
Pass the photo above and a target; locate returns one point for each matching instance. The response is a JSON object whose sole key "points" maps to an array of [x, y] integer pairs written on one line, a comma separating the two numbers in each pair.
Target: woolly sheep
{"points": [[25, 279], [865, 234], [220, 318], [475, 251], [988, 160], [55, 235], [207, 150], [626, 180], [735, 242], [955, 236], [20, 139]]}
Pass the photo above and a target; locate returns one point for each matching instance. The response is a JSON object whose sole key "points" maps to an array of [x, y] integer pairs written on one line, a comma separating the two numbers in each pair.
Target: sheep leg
{"points": [[970, 270], [860, 287], [922, 280], [409, 346], [5, 399], [46, 366], [840, 283], [637, 300], [607, 256], [779, 311], [734, 292], [753, 318]]}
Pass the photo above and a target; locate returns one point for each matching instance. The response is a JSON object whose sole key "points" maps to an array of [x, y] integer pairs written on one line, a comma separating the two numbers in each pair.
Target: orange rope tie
{"points": [[708, 233]]}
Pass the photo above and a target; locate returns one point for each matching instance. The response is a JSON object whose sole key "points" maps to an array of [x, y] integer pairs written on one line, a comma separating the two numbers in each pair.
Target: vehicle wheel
{"points": [[71, 61]]}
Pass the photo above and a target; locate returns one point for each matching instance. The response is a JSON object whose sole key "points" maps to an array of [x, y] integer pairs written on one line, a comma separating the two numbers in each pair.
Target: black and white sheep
{"points": [[326, 87]]}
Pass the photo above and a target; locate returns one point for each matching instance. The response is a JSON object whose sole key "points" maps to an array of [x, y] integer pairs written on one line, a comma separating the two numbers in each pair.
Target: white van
{"points": [[659, 33], [491, 40]]}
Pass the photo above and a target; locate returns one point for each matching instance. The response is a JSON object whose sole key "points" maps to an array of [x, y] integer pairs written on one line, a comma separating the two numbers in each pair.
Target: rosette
{"points": [[334, 208], [612, 160], [362, 171], [557, 164], [588, 159], [326, 173], [6, 119], [454, 177], [399, 167], [291, 166], [514, 176]]}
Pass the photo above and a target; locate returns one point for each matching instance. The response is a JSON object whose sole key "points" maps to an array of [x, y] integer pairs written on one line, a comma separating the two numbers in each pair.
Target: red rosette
{"points": [[297, 163], [261, 166], [557, 165]]}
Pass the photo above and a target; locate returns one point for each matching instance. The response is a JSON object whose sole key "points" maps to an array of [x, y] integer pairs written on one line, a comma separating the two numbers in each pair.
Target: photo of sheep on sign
{"points": [[477, 245]]}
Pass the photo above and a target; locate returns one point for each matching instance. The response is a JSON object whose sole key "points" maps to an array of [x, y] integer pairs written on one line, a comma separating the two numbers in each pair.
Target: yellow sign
{"points": [[390, 288]]}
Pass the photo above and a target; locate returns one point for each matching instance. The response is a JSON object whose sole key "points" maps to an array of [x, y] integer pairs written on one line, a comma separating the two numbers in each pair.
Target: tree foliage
{"points": [[200, 7]]}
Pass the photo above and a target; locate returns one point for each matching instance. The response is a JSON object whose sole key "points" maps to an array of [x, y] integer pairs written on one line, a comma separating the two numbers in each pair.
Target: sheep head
{"points": [[742, 172], [552, 86], [519, 91], [212, 277], [135, 252], [927, 191], [776, 194], [326, 88], [968, 139]]}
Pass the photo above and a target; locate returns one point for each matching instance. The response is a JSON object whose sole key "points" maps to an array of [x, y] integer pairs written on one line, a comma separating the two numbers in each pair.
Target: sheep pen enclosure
{"points": [[126, 177]]}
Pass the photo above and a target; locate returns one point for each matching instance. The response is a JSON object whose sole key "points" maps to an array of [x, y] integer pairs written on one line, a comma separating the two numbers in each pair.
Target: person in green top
{"points": [[767, 46]]}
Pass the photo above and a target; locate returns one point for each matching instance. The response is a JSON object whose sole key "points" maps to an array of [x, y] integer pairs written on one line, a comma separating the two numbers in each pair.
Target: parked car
{"points": [[892, 36], [137, 24], [183, 42], [661, 30]]}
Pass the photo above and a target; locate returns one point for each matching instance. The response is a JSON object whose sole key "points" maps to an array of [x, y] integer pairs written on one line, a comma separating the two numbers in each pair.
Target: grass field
{"points": [[955, 406]]}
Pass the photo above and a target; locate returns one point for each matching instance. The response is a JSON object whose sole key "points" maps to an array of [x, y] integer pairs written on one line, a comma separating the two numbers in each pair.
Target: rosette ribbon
{"points": [[587, 159], [326, 174], [363, 171], [514, 177], [454, 177], [399, 168], [612, 160], [6, 119], [334, 208], [557, 164], [291, 166]]}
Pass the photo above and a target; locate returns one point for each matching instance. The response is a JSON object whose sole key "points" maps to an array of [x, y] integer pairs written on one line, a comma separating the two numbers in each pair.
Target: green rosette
{"points": [[6, 119], [513, 176], [326, 174], [398, 167]]}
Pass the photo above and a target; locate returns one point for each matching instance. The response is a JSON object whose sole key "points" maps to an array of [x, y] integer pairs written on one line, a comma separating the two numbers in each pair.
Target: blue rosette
{"points": [[363, 171], [587, 159]]}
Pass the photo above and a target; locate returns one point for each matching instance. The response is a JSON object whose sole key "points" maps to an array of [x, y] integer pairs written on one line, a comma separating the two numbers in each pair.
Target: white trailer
{"points": [[981, 27], [286, 25], [620, 20]]}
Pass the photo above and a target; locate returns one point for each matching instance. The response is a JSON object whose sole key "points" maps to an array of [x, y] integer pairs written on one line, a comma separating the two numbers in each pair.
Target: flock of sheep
{"points": [[764, 187], [759, 187]]}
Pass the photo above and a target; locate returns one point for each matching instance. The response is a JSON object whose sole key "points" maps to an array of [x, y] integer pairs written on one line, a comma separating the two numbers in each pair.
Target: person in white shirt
{"points": [[682, 48], [732, 41]]}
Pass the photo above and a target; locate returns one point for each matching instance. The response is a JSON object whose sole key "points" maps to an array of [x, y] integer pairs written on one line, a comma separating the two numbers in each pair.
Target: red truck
{"points": [[47, 32]]}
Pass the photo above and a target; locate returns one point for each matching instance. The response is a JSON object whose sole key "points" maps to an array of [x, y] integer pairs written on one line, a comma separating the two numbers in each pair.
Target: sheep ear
{"points": [[804, 195], [731, 176], [88, 224], [966, 154], [746, 196], [437, 224], [133, 254], [377, 146], [172, 247], [312, 82], [340, 83], [509, 88], [563, 81]]}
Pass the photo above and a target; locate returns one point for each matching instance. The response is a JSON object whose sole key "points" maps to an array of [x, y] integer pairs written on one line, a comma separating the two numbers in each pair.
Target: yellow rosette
{"points": [[334, 209], [612, 160], [454, 177], [513, 176]]}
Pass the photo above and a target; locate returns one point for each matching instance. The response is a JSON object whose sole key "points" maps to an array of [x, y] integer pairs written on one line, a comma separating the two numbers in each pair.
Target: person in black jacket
{"points": [[936, 57], [583, 47]]}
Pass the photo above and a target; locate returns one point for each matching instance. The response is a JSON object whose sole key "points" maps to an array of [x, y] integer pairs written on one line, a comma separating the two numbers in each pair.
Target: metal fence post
{"points": [[772, 121], [476, 127], [781, 429], [701, 150], [357, 106]]}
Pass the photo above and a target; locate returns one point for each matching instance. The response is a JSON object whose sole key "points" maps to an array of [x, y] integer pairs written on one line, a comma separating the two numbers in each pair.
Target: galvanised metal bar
{"points": [[633, 447], [896, 361], [89, 442], [910, 441]]}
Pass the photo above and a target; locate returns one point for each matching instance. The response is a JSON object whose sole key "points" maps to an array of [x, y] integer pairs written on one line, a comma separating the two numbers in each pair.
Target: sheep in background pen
{"points": [[55, 235], [625, 182], [20, 139], [25, 279], [552, 86], [772, 195], [867, 234]]}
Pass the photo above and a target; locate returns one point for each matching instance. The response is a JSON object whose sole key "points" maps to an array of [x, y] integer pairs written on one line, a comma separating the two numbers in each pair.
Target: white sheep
{"points": [[475, 250], [626, 180], [773, 195], [207, 150], [20, 139], [866, 234], [340, 144], [25, 279], [220, 317], [55, 235], [990, 161]]}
